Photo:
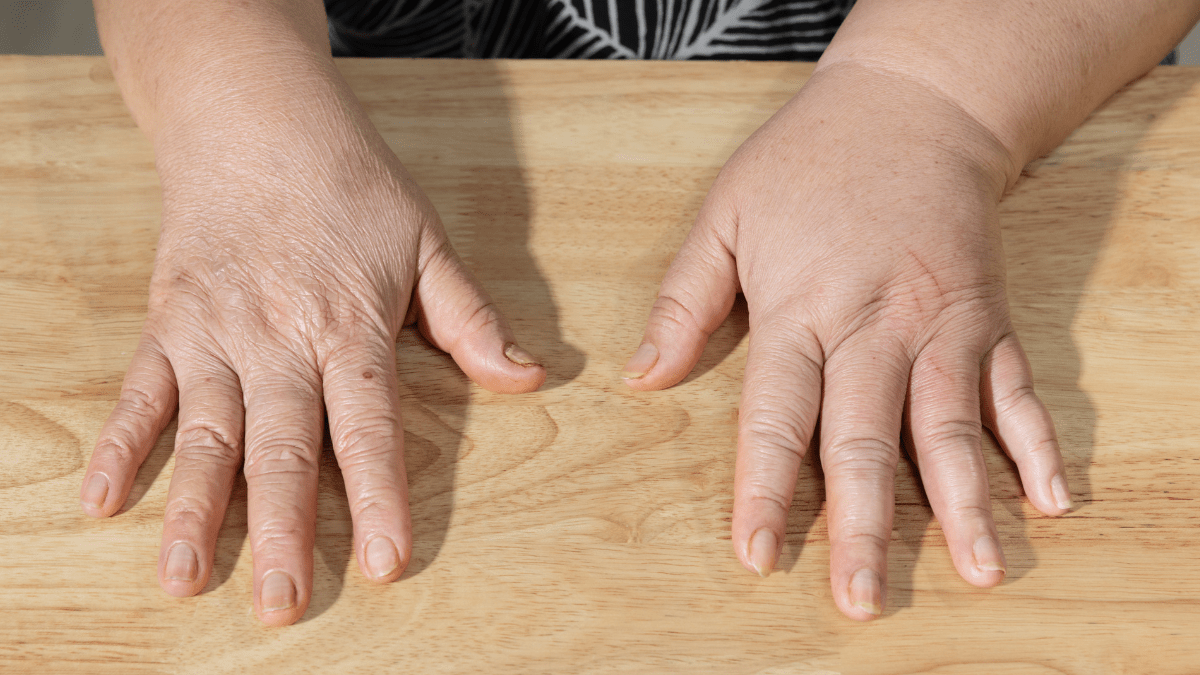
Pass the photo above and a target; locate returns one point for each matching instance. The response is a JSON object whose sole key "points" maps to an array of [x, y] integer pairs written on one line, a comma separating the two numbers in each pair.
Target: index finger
{"points": [[284, 433], [781, 397]]}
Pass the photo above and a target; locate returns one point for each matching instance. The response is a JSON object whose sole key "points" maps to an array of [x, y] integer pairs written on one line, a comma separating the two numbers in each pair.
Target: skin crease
{"points": [[860, 222]]}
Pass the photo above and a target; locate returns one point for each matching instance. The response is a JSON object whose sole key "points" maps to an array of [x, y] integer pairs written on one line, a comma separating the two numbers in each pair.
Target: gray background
{"points": [[67, 27]]}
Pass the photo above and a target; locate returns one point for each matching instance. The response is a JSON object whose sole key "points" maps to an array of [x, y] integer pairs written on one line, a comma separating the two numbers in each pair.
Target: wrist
{"points": [[897, 109], [296, 129], [175, 62]]}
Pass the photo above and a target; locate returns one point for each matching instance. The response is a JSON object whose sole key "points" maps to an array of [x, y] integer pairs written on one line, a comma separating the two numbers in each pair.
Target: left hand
{"points": [[861, 224]]}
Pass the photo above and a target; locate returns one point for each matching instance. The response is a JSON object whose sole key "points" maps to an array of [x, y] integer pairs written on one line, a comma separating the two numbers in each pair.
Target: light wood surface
{"points": [[584, 528]]}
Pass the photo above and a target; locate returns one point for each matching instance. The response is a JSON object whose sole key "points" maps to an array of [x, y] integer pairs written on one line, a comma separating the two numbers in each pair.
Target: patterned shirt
{"points": [[586, 29]]}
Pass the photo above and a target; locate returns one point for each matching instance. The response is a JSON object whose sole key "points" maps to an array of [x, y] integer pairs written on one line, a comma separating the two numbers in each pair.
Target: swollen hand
{"points": [[860, 222]]}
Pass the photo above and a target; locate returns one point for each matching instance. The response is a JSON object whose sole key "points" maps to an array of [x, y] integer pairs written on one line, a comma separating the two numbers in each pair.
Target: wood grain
{"points": [[584, 528]]}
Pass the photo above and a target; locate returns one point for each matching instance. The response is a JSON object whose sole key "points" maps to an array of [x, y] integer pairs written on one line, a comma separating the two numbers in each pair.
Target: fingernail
{"points": [[182, 564], [278, 592], [987, 554], [866, 592], [95, 492], [761, 551], [643, 360], [382, 558], [1062, 496], [514, 353]]}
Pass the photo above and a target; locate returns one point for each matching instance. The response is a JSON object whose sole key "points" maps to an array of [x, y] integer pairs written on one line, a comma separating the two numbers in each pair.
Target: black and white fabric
{"points": [[588, 29]]}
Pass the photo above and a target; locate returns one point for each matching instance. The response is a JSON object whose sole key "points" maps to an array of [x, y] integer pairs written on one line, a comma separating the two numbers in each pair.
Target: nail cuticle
{"points": [[182, 564], [761, 551], [278, 591], [642, 362], [381, 557], [1062, 496], [988, 557], [866, 591], [95, 493], [519, 356]]}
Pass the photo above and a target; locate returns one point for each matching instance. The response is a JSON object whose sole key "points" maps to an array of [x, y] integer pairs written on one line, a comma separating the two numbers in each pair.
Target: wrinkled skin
{"points": [[861, 224], [284, 273]]}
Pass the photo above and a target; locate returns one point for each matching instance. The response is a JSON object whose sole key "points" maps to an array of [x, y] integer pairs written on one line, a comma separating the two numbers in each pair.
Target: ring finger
{"points": [[947, 432]]}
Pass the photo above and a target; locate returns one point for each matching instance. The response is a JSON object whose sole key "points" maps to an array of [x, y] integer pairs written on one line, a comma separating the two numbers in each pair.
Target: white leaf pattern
{"points": [[593, 38], [628, 29]]}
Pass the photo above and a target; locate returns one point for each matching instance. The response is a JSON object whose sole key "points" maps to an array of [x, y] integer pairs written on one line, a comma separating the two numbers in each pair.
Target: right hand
{"points": [[288, 261]]}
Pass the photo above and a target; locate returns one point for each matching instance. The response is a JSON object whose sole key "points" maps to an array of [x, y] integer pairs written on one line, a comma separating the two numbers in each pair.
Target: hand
{"points": [[861, 224], [288, 261]]}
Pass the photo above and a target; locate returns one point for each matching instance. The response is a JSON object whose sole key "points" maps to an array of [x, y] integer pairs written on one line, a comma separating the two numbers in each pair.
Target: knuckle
{"points": [[861, 455], [356, 328], [969, 509], [668, 311], [280, 534], [1045, 447], [952, 437], [116, 446], [283, 457], [368, 442], [142, 402], [775, 433], [378, 503], [863, 535], [787, 344], [898, 321], [1021, 396], [482, 318], [208, 442], [187, 512], [763, 491]]}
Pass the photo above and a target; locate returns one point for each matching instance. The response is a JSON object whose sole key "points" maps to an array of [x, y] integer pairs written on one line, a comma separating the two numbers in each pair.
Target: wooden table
{"points": [[585, 528]]}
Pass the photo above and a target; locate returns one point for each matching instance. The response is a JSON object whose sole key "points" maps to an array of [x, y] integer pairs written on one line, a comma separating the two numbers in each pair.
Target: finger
{"points": [[145, 408], [284, 434], [364, 420], [458, 316], [781, 398], [947, 432], [1023, 426], [695, 297], [865, 384], [208, 453]]}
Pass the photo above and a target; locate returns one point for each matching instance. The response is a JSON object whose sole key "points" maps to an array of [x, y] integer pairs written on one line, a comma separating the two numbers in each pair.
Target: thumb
{"points": [[458, 316], [695, 297]]}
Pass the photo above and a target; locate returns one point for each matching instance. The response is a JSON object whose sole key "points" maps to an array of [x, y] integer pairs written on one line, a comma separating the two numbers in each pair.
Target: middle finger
{"points": [[865, 383], [284, 433]]}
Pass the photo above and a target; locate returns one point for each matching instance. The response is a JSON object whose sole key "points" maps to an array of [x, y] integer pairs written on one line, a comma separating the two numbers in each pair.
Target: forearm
{"points": [[242, 97], [1029, 72], [184, 65]]}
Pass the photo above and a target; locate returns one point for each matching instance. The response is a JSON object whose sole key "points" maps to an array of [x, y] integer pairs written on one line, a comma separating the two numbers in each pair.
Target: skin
{"points": [[860, 222], [294, 246]]}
